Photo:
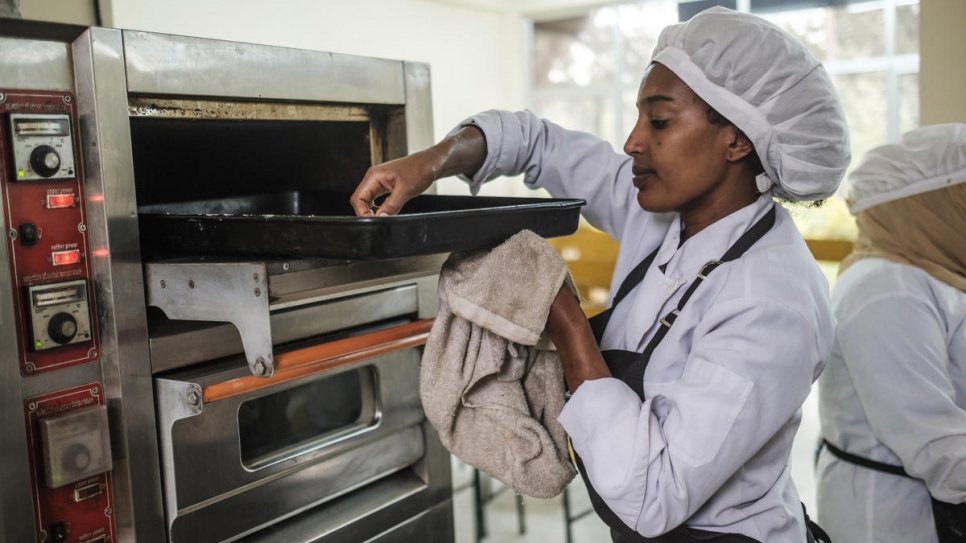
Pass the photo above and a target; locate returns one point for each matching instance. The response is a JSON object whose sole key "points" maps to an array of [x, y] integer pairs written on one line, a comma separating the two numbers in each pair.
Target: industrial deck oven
{"points": [[151, 394]]}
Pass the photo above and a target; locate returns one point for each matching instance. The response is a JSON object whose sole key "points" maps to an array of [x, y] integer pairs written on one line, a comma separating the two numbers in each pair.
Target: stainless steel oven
{"points": [[153, 395]]}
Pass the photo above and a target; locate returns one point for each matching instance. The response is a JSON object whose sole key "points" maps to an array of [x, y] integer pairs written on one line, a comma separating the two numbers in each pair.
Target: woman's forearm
{"points": [[571, 334]]}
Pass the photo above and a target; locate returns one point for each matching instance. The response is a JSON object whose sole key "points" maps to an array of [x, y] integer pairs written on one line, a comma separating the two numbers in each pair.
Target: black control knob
{"points": [[62, 328], [45, 161]]}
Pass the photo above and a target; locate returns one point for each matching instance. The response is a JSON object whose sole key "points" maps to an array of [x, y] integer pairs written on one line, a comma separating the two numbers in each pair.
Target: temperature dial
{"points": [[45, 161], [62, 328]]}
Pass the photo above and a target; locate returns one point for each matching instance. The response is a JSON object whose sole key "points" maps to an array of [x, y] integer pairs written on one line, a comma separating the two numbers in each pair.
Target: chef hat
{"points": [[772, 88], [929, 158]]}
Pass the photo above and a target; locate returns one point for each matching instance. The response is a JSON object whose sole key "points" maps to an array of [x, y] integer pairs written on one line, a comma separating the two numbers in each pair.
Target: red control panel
{"points": [[42, 194], [70, 462]]}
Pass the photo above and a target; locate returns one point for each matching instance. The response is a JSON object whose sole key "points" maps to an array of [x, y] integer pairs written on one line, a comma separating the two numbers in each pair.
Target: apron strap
{"points": [[599, 322], [864, 462], [749, 238], [949, 518]]}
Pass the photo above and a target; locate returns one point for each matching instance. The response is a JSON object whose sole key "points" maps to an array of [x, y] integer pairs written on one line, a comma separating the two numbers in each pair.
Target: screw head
{"points": [[260, 368]]}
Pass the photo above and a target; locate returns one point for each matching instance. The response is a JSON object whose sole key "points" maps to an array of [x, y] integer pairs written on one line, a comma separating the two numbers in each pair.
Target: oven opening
{"points": [[306, 417], [196, 159]]}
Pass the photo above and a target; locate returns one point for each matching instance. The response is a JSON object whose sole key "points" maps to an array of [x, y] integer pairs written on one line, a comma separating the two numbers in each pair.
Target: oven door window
{"points": [[306, 417]]}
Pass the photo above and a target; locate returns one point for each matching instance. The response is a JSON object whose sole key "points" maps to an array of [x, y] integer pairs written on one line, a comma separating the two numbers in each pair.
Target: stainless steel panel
{"points": [[34, 64], [399, 501], [419, 107], [299, 283], [177, 65], [280, 498], [176, 344], [98, 59], [198, 480], [432, 526]]}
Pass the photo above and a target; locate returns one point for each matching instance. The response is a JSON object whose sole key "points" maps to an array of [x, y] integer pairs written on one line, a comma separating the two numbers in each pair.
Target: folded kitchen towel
{"points": [[491, 383]]}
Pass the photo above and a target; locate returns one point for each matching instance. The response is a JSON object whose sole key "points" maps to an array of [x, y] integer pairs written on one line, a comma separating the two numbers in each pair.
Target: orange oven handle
{"points": [[325, 356]]}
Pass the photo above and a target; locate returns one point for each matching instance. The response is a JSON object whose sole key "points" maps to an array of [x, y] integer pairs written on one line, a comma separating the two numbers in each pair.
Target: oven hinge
{"points": [[235, 292]]}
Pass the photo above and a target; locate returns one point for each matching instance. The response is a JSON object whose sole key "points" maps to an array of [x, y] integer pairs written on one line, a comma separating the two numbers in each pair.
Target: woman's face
{"points": [[680, 158]]}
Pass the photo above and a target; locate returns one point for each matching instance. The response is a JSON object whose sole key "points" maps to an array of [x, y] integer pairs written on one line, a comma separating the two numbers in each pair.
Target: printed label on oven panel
{"points": [[45, 217], [80, 511]]}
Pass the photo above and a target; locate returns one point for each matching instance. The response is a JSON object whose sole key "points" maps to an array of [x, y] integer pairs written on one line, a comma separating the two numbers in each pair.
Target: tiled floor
{"points": [[544, 519]]}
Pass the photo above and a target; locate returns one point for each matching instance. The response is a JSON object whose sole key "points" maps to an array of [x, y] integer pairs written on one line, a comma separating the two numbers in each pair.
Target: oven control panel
{"points": [[59, 314], [41, 146], [42, 193], [70, 465]]}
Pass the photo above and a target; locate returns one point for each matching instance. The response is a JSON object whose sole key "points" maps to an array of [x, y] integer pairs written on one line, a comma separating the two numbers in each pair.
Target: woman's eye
{"points": [[658, 123]]}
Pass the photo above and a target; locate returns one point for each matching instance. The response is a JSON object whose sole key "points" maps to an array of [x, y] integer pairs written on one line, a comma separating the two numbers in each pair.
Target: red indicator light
{"points": [[64, 258], [55, 201]]}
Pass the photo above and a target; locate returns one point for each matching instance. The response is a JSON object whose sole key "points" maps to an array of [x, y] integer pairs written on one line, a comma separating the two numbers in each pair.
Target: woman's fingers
{"points": [[373, 185]]}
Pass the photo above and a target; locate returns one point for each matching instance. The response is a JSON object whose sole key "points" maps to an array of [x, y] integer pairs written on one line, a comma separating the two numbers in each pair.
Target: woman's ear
{"points": [[739, 147]]}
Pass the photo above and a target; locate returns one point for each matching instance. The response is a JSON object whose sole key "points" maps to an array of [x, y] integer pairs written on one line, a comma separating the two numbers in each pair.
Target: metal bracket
{"points": [[235, 292]]}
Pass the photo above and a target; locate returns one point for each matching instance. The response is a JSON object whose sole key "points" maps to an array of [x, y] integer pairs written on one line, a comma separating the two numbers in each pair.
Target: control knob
{"points": [[62, 328], [45, 161]]}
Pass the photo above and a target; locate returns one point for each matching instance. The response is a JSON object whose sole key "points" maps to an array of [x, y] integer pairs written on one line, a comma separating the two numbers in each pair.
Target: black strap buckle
{"points": [[668, 320], [708, 268]]}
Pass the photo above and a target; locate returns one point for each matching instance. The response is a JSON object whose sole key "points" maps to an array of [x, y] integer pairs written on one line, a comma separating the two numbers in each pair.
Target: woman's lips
{"points": [[641, 176]]}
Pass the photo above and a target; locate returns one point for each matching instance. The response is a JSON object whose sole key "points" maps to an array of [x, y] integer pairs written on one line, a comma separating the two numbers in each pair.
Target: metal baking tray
{"points": [[322, 224]]}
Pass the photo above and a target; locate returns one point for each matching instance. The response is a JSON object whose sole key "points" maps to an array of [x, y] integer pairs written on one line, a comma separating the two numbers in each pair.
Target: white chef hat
{"points": [[928, 158], [772, 88]]}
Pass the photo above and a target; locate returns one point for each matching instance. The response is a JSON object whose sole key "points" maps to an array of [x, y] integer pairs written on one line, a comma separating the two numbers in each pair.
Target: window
{"points": [[586, 69]]}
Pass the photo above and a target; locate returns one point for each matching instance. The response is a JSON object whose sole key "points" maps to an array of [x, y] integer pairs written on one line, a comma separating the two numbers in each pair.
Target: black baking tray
{"points": [[322, 224]]}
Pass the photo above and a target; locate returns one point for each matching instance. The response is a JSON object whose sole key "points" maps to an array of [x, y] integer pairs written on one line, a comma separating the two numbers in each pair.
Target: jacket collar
{"points": [[681, 264]]}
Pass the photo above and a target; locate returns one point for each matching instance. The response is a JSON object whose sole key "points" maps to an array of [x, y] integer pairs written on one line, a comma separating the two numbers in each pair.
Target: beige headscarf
{"points": [[925, 230], [909, 200]]}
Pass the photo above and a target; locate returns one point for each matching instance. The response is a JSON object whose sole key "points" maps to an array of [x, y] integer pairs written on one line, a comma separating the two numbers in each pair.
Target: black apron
{"points": [[629, 366], [950, 519]]}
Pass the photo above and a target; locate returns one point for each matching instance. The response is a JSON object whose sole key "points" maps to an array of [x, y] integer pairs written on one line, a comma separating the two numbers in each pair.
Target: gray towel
{"points": [[490, 382]]}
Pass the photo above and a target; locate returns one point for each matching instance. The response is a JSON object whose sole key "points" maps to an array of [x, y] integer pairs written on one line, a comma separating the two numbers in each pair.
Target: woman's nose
{"points": [[635, 145]]}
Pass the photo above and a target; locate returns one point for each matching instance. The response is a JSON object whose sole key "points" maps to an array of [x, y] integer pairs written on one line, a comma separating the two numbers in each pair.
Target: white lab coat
{"points": [[894, 391], [724, 389]]}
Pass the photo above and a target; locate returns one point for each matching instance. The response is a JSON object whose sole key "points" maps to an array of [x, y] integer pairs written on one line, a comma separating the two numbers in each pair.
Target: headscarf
{"points": [[772, 88], [910, 203]]}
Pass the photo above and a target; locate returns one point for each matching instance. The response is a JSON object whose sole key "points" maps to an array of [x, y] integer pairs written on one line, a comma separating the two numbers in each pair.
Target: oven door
{"points": [[240, 453]]}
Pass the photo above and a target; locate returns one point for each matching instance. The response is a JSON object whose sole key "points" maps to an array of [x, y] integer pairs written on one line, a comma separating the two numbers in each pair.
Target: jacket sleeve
{"points": [[567, 163], [655, 463], [895, 350]]}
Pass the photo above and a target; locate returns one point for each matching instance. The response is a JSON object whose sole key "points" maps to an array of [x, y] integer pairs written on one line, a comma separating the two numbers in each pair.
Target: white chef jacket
{"points": [[711, 443], [895, 392]]}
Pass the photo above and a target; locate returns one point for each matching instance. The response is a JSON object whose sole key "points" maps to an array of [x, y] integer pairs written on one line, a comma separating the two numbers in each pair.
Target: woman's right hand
{"points": [[404, 178]]}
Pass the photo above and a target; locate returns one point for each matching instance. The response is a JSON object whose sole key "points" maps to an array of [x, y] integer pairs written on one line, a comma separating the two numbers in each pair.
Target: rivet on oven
{"points": [[258, 292], [191, 283], [194, 398], [260, 366], [67, 99], [2, 97], [12, 233], [255, 276], [163, 283], [285, 266]]}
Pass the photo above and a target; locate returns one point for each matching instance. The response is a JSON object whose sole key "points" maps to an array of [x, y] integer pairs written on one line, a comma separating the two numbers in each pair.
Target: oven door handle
{"points": [[323, 357]]}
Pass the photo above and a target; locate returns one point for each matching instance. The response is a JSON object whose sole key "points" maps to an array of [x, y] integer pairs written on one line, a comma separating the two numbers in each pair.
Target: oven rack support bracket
{"points": [[235, 292]]}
